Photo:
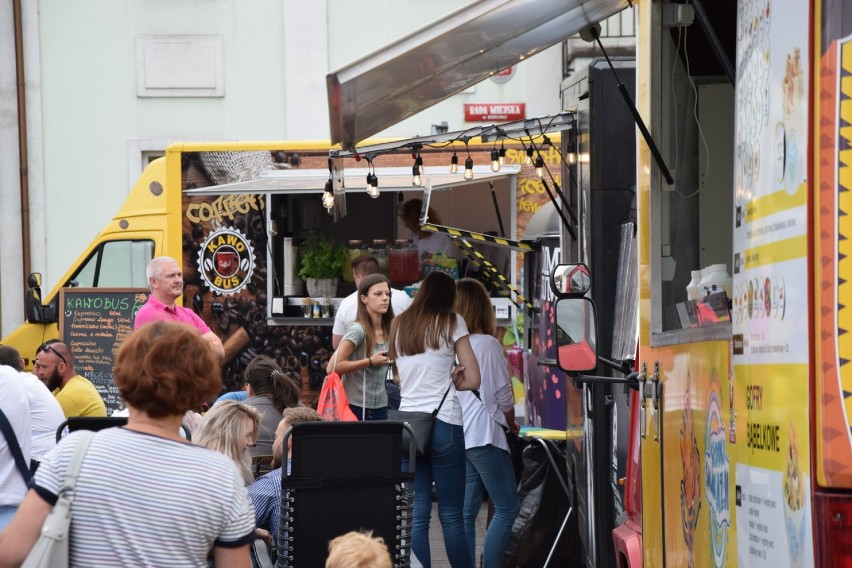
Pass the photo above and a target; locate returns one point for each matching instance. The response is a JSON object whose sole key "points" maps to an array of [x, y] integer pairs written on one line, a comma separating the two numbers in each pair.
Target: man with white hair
{"points": [[165, 280]]}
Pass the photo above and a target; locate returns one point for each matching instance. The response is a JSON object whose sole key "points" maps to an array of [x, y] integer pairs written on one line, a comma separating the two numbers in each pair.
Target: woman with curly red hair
{"points": [[142, 489]]}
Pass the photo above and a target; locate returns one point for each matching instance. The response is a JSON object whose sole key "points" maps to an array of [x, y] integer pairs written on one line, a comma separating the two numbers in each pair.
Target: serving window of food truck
{"points": [[368, 225], [691, 220]]}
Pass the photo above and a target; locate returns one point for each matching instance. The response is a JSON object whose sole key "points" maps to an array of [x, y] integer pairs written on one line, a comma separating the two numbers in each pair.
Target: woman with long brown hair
{"points": [[361, 358], [486, 414], [425, 341]]}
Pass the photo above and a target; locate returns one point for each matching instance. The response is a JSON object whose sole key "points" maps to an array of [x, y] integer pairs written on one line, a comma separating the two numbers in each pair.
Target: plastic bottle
{"points": [[693, 291], [716, 279]]}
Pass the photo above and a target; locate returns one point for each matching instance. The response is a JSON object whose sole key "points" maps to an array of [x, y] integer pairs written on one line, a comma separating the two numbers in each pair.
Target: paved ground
{"points": [[439, 554]]}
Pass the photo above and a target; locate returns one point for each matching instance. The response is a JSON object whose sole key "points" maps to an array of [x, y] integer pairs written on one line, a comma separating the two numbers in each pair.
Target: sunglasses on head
{"points": [[58, 354]]}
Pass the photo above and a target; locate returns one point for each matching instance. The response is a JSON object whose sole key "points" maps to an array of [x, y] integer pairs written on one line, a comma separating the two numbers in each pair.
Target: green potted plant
{"points": [[322, 262]]}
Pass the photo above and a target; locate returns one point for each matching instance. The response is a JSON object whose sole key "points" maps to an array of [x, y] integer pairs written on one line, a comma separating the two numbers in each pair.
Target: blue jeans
{"points": [[446, 465], [6, 514], [372, 413], [491, 468]]}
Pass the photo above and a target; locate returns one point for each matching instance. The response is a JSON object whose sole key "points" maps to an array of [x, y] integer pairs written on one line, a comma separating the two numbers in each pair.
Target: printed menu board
{"points": [[770, 280], [92, 323]]}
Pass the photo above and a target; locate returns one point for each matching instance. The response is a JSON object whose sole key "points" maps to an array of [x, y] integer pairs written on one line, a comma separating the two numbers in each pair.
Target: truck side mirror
{"points": [[34, 306], [576, 335], [571, 280]]}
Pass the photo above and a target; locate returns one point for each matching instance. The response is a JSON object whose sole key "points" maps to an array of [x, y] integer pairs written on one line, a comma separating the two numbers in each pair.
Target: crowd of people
{"points": [[437, 351]]}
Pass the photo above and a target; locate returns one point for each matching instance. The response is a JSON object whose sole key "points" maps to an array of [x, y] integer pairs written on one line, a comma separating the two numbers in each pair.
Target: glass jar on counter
{"points": [[396, 261], [379, 250], [404, 263], [356, 249]]}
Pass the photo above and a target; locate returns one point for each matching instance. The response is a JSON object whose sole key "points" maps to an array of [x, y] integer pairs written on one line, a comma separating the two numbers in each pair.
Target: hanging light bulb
{"points": [[415, 175], [328, 195], [372, 185], [528, 160], [502, 154], [571, 148], [468, 168], [418, 163], [539, 166], [495, 160], [454, 164]]}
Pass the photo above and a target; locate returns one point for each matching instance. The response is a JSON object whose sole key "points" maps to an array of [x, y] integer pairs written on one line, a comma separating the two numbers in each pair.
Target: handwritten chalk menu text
{"points": [[93, 322]]}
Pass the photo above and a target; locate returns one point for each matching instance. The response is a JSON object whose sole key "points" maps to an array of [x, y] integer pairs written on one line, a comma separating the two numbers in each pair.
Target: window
{"points": [[116, 264], [692, 226]]}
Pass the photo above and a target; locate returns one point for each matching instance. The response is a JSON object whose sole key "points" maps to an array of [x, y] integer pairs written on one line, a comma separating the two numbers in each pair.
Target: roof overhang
{"points": [[448, 56], [434, 178]]}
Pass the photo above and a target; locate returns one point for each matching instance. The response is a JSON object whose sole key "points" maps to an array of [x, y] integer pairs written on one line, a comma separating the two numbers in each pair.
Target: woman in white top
{"points": [[489, 463], [425, 341], [361, 358], [145, 496]]}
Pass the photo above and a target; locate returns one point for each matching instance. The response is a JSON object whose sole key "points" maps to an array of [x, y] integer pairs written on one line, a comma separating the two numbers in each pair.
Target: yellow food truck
{"points": [[741, 443]]}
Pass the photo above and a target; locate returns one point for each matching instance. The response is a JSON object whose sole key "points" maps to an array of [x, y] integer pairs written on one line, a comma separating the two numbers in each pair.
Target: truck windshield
{"points": [[116, 264]]}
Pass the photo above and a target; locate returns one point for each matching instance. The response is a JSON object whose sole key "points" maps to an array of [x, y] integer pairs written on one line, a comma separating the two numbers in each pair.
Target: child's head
{"points": [[292, 416], [358, 550]]}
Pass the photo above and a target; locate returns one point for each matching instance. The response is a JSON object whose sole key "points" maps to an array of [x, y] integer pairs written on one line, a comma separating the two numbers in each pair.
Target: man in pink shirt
{"points": [[166, 282]]}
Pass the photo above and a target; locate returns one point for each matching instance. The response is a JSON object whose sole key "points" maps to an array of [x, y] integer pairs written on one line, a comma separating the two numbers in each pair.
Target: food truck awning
{"points": [[448, 56], [354, 179]]}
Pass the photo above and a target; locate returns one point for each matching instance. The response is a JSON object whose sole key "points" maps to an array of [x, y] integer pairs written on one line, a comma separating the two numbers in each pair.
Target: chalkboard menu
{"points": [[92, 323]]}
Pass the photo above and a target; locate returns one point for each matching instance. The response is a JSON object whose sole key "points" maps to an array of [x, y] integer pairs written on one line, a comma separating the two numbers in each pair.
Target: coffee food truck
{"points": [[236, 217]]}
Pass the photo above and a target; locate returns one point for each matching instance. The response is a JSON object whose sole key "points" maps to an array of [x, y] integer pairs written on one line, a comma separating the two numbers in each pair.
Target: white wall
{"points": [[91, 107]]}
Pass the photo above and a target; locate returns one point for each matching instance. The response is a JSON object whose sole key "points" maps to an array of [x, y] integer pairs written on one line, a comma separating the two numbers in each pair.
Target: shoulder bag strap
{"points": [[14, 447], [446, 392], [77, 460]]}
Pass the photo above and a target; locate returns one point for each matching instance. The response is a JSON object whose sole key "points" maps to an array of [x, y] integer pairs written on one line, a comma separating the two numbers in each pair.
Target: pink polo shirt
{"points": [[155, 310]]}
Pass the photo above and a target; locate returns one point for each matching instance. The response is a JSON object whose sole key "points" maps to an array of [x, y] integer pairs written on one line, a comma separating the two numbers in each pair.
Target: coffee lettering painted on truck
{"points": [[224, 207]]}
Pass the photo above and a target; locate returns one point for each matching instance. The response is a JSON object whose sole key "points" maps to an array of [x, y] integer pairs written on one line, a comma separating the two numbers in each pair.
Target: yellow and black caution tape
{"points": [[482, 238], [490, 271]]}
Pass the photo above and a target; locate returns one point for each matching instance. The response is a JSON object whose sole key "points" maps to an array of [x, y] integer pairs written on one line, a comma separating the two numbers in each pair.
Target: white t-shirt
{"points": [[348, 309], [423, 379], [16, 406], [143, 500], [45, 414], [480, 428]]}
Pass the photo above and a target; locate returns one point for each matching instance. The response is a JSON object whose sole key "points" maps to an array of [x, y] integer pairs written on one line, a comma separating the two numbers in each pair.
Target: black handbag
{"points": [[421, 424]]}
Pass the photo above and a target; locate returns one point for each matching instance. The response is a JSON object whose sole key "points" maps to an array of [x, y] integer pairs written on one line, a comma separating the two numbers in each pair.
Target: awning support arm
{"points": [[497, 210], [594, 33]]}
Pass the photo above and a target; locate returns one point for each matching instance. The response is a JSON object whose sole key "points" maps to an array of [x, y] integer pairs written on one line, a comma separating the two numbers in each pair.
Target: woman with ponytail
{"points": [[270, 391]]}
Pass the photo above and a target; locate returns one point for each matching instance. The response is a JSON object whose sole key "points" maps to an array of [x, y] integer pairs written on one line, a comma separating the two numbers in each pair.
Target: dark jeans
{"points": [[372, 413], [445, 466]]}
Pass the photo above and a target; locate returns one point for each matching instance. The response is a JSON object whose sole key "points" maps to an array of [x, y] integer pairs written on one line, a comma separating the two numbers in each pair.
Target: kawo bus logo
{"points": [[226, 260]]}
